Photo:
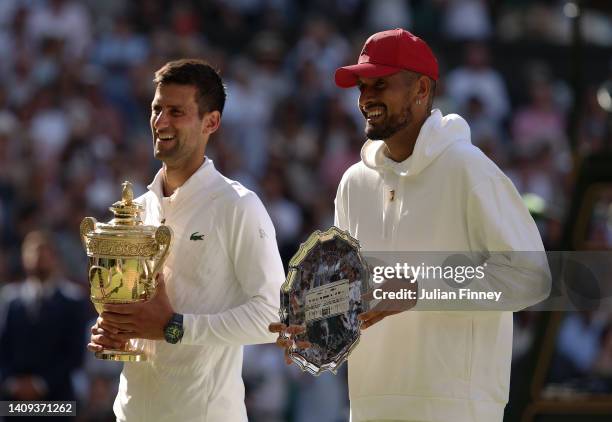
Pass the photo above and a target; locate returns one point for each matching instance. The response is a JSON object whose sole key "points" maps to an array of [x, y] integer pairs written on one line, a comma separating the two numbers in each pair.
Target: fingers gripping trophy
{"points": [[125, 257]]}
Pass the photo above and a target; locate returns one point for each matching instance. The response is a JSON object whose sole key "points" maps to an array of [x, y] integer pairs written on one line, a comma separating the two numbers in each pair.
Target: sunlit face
{"points": [[176, 125], [385, 104]]}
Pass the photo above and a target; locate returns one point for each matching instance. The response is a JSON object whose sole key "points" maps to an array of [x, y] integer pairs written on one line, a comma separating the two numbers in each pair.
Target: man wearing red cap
{"points": [[422, 186]]}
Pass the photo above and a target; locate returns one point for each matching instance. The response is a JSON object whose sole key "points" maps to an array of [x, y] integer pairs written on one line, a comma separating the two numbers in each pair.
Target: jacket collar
{"points": [[201, 179]]}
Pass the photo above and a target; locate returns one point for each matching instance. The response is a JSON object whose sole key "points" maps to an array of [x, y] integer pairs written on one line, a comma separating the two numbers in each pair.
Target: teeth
{"points": [[166, 137], [374, 113]]}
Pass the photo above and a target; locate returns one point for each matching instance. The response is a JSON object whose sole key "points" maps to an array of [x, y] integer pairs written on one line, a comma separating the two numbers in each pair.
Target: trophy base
{"points": [[121, 355]]}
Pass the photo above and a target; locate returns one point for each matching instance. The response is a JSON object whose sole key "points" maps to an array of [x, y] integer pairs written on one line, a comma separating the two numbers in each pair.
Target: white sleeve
{"points": [[340, 206], [251, 242], [505, 243], [498, 221]]}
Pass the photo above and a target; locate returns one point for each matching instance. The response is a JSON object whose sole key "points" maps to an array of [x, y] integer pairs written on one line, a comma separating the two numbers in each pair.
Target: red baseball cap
{"points": [[389, 52]]}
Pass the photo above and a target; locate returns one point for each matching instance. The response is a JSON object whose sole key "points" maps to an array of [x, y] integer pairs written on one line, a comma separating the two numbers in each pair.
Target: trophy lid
{"points": [[126, 212], [126, 221], [125, 234]]}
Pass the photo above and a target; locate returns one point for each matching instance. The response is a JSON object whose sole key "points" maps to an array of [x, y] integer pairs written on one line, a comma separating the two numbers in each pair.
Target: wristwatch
{"points": [[173, 331]]}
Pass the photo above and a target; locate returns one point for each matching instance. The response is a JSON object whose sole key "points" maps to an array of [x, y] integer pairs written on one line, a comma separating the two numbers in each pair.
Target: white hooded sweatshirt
{"points": [[447, 196]]}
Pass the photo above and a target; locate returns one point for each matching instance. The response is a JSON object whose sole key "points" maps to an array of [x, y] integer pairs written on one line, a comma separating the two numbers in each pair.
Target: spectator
{"points": [[384, 14], [66, 20], [323, 46], [541, 121], [578, 344], [476, 78], [467, 20], [42, 328]]}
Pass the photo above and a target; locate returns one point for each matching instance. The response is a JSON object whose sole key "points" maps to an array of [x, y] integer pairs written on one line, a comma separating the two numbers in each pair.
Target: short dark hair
{"points": [[210, 92]]}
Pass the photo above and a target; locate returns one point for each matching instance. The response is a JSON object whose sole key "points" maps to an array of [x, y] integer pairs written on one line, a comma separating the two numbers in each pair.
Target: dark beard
{"points": [[390, 126]]}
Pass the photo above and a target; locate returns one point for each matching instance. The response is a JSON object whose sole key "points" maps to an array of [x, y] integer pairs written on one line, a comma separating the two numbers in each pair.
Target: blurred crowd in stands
{"points": [[75, 93]]}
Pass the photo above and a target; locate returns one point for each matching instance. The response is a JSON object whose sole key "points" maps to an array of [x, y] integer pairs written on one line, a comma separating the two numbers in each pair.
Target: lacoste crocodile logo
{"points": [[196, 236]]}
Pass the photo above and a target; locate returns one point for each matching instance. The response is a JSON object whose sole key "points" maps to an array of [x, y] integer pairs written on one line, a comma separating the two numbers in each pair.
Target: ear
{"points": [[424, 87], [211, 122]]}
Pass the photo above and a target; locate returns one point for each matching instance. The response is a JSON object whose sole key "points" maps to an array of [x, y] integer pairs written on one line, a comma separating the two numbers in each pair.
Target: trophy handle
{"points": [[163, 237], [88, 225]]}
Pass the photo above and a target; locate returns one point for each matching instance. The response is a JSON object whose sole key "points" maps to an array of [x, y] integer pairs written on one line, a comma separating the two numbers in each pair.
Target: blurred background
{"points": [[532, 78]]}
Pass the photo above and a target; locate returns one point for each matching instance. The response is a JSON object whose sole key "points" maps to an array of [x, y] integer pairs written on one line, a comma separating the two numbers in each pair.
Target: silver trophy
{"points": [[323, 292]]}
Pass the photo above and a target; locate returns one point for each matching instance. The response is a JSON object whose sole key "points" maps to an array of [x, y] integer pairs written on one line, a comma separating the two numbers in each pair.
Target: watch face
{"points": [[173, 333]]}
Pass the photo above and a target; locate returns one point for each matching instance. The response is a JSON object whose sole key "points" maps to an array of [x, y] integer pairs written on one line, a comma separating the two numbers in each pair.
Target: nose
{"points": [[160, 121], [366, 96]]}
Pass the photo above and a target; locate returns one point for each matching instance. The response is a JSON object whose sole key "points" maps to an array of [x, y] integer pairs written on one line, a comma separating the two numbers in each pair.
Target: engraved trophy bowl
{"points": [[124, 257], [323, 292]]}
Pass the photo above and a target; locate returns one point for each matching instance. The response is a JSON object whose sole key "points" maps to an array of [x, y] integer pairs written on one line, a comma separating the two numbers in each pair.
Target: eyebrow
{"points": [[375, 81], [156, 104]]}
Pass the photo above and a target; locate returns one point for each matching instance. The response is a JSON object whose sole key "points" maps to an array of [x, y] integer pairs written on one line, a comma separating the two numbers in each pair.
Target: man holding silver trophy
{"points": [[422, 186], [218, 289]]}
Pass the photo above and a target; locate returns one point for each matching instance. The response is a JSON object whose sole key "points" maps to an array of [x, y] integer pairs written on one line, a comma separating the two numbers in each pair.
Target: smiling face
{"points": [[179, 133], [386, 103]]}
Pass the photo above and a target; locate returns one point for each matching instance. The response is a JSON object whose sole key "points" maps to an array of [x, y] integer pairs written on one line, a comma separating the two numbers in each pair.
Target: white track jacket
{"points": [[224, 274], [448, 196]]}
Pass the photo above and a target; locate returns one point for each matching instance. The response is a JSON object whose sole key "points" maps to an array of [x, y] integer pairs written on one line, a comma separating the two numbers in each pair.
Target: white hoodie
{"points": [[448, 196]]}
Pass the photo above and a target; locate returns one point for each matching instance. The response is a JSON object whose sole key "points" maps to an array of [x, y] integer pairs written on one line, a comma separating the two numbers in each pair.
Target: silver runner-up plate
{"points": [[323, 292]]}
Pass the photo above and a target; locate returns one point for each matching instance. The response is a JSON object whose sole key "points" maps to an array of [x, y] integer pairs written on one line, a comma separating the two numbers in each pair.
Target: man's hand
{"points": [[388, 307], [119, 323], [102, 339], [286, 338]]}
